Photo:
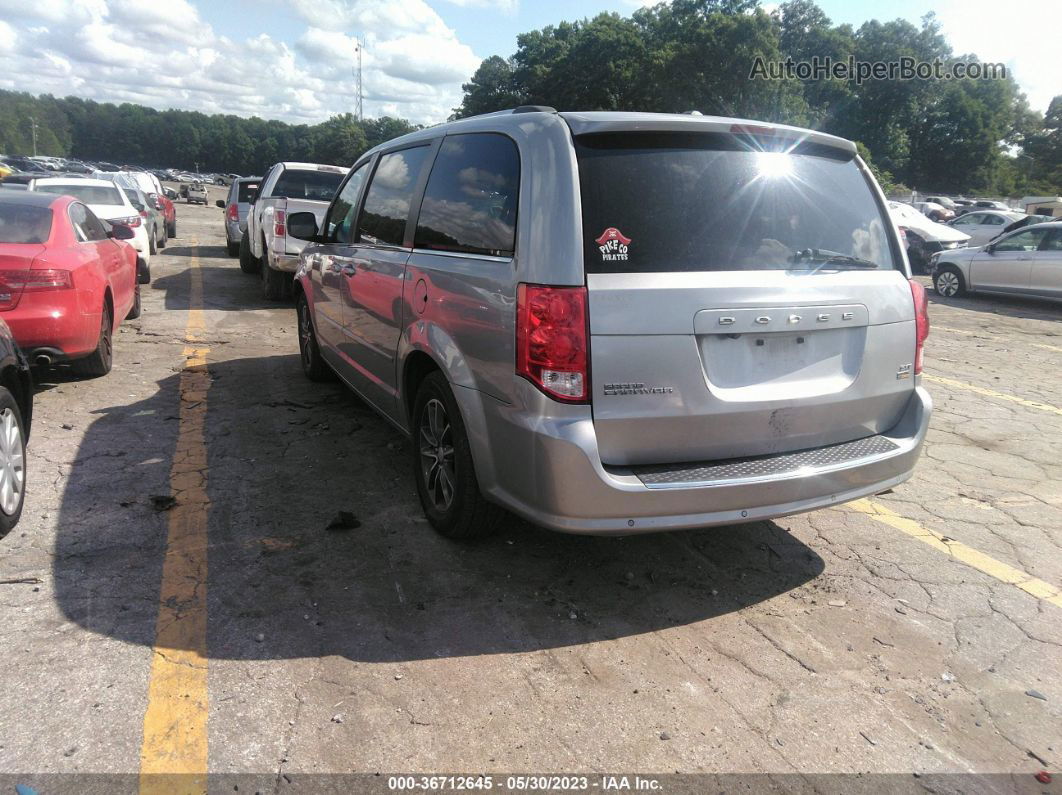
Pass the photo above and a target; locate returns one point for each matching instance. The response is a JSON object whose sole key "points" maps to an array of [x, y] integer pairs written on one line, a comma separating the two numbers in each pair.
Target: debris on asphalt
{"points": [[259, 638], [162, 502], [398, 676], [1036, 694], [344, 520], [337, 718], [866, 737], [1043, 777], [948, 677], [665, 736], [29, 581], [837, 603], [66, 426]]}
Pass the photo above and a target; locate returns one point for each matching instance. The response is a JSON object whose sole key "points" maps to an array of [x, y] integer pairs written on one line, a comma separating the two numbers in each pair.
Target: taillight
{"points": [[233, 212], [552, 340], [278, 223], [131, 221], [143, 213], [921, 306], [15, 282]]}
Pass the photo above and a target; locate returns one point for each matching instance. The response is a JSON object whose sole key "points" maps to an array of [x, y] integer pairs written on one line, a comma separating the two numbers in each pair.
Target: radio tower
{"points": [[359, 113]]}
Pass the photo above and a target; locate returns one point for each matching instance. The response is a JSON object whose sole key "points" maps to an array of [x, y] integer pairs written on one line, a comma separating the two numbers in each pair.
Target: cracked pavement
{"points": [[820, 643]]}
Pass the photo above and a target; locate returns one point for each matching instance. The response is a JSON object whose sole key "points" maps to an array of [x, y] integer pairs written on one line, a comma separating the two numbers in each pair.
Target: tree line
{"points": [[960, 136], [976, 137], [138, 135]]}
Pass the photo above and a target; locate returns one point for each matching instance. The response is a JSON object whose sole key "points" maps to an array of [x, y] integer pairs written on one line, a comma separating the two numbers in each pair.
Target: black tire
{"points": [[948, 282], [249, 263], [233, 249], [98, 363], [313, 366], [172, 231], [466, 514], [276, 285], [165, 236], [152, 247], [134, 313], [12, 462]]}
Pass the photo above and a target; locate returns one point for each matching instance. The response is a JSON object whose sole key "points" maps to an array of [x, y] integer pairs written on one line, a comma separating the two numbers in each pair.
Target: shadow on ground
{"points": [[284, 457]]}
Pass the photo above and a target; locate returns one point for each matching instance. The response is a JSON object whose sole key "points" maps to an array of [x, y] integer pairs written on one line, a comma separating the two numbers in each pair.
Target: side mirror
{"points": [[303, 226], [120, 232], [220, 203], [990, 248]]}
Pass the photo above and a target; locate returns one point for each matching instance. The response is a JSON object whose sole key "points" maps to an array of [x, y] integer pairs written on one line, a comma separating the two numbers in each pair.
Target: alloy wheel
{"points": [[12, 465], [437, 454], [947, 284]]}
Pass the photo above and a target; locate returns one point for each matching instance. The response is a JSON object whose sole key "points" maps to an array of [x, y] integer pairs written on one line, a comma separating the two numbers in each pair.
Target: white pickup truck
{"points": [[266, 246]]}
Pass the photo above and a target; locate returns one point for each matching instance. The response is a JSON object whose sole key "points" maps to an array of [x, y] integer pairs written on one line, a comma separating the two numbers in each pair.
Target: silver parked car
{"points": [[1027, 261], [621, 322], [236, 205]]}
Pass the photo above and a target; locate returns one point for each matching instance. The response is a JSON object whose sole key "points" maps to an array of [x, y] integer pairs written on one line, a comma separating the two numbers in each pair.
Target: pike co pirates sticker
{"points": [[613, 245]]}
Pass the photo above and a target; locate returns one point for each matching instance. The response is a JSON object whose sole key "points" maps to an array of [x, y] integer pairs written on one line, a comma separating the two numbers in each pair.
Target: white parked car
{"points": [[983, 225], [1027, 261], [107, 201], [924, 237]]}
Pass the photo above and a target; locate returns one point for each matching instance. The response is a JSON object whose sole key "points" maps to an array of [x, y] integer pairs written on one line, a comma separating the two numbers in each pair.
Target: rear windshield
{"points": [[21, 223], [89, 194], [247, 190], [299, 184], [655, 203]]}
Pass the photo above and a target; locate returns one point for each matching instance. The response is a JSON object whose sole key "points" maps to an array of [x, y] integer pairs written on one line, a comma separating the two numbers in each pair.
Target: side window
{"points": [[994, 220], [1053, 242], [78, 218], [1028, 240], [340, 224], [470, 200], [383, 218]]}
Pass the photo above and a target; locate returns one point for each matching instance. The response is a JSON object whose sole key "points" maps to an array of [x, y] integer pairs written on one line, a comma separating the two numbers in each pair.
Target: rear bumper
{"points": [[289, 263], [234, 230], [52, 324], [552, 475]]}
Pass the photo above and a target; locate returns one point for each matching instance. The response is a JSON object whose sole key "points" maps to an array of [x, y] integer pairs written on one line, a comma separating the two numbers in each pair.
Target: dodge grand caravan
{"points": [[621, 322]]}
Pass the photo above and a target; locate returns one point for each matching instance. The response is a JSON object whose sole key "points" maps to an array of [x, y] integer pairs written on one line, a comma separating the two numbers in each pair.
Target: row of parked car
{"points": [[68, 278], [987, 246]]}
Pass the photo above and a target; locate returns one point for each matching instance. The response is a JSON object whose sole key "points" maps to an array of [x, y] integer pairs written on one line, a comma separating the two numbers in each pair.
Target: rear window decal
{"points": [[613, 245]]}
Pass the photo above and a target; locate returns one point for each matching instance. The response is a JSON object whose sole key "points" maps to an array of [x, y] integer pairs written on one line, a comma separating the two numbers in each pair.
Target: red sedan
{"points": [[67, 280]]}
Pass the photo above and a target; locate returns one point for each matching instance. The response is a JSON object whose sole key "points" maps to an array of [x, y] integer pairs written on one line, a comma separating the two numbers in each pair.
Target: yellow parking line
{"points": [[980, 390], [173, 756], [958, 550]]}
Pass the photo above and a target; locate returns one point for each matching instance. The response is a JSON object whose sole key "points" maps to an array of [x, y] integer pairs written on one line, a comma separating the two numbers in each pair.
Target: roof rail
{"points": [[534, 109]]}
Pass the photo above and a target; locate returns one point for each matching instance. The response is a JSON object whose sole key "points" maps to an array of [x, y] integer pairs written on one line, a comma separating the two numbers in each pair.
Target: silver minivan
{"points": [[236, 206], [618, 323]]}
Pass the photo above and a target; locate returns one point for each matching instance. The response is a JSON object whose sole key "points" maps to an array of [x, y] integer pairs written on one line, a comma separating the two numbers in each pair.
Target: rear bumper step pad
{"points": [[763, 467]]}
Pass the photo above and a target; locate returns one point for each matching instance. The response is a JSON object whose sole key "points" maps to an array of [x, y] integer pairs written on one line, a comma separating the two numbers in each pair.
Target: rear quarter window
{"points": [[669, 202], [471, 197]]}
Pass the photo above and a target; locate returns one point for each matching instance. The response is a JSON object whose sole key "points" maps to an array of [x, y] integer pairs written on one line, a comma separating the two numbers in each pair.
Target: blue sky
{"points": [[291, 59]]}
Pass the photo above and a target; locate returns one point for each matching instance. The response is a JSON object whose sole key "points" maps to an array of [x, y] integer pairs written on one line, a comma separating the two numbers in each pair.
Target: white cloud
{"points": [[1026, 42], [506, 6], [166, 56]]}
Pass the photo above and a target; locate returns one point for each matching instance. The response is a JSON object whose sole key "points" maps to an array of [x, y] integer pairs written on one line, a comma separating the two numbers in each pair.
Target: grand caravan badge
{"points": [[613, 245]]}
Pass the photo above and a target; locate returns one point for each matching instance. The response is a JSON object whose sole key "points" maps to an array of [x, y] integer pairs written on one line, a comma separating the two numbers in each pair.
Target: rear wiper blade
{"points": [[824, 257]]}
